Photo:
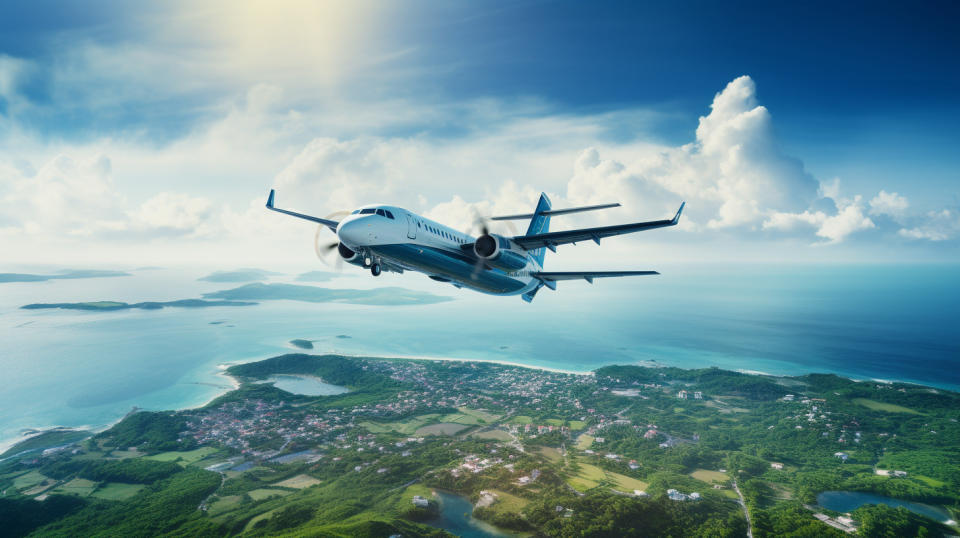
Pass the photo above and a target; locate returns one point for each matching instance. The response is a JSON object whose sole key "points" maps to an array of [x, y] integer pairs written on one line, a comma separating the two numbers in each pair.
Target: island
{"points": [[63, 275], [301, 343], [317, 276], [410, 446], [387, 296], [239, 275], [106, 306]]}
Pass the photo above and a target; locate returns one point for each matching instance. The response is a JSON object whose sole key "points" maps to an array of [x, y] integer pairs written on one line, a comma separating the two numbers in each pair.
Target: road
{"points": [[746, 511]]}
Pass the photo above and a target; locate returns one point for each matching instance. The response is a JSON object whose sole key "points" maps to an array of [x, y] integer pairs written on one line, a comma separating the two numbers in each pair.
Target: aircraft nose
{"points": [[353, 232]]}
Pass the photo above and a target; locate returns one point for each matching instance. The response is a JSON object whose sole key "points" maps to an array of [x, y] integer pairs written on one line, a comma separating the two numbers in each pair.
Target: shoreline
{"points": [[6, 444]]}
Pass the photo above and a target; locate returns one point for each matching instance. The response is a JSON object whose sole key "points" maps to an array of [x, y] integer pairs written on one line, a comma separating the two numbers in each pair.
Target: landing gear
{"points": [[375, 269]]}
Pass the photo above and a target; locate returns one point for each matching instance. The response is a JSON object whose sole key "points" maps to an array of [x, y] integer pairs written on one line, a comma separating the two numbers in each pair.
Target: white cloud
{"points": [[888, 203], [848, 220], [938, 226]]}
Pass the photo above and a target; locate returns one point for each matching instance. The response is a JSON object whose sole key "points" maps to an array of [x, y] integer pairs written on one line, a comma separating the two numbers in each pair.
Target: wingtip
{"points": [[270, 198], [676, 218]]}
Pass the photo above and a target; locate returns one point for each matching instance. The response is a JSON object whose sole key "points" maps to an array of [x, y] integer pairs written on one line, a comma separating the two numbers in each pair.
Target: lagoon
{"points": [[455, 517], [847, 501], [305, 385]]}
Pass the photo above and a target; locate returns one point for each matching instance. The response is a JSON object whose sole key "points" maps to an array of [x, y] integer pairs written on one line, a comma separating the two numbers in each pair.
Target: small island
{"points": [[107, 306], [239, 275], [301, 343], [63, 275], [388, 296]]}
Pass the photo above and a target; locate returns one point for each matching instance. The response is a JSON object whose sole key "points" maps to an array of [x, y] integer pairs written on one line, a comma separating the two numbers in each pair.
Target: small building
{"points": [[420, 501], [842, 455], [777, 466], [698, 395], [682, 395]]}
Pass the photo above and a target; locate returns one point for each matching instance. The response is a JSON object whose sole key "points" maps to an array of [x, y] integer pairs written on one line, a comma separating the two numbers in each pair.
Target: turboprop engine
{"points": [[496, 251]]}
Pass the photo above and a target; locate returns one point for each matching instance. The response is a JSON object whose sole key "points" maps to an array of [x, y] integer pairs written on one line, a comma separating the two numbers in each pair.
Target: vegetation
{"points": [[544, 453]]}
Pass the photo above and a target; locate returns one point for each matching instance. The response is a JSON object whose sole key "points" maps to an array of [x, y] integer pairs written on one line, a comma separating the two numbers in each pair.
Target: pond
{"points": [[305, 385], [846, 501], [455, 518]]}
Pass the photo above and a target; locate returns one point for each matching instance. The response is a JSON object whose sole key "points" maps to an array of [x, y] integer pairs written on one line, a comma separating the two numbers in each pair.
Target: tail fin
{"points": [[540, 224]]}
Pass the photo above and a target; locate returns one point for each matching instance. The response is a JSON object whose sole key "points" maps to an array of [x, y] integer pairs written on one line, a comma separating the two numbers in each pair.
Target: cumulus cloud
{"points": [[733, 174], [888, 203]]}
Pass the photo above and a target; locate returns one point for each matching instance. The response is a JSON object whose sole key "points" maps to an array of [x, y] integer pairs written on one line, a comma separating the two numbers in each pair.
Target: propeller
{"points": [[327, 252]]}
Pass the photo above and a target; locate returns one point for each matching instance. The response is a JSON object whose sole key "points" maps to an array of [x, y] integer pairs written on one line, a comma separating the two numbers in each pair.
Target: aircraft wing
{"points": [[552, 239], [332, 224], [587, 275]]}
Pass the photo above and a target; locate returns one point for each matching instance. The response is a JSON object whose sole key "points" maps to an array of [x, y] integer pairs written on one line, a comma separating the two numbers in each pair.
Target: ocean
{"points": [[88, 369]]}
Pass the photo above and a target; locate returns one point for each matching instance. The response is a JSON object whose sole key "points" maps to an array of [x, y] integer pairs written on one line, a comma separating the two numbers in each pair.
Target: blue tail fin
{"points": [[540, 224]]}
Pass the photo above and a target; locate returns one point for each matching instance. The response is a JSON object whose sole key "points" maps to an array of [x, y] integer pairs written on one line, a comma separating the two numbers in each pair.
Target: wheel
{"points": [[375, 269]]}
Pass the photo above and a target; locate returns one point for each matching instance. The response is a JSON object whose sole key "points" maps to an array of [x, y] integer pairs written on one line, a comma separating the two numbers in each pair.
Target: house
{"points": [[420, 501], [682, 395], [698, 395], [842, 455], [777, 466]]}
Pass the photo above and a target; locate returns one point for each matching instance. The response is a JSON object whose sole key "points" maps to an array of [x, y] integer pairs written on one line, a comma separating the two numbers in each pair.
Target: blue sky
{"points": [[809, 132]]}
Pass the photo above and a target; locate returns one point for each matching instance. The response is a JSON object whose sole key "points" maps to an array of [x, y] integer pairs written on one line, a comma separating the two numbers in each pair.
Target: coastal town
{"points": [[529, 449]]}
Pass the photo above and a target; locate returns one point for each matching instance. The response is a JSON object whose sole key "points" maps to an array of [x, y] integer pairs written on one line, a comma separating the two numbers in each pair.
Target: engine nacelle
{"points": [[348, 255], [495, 251]]}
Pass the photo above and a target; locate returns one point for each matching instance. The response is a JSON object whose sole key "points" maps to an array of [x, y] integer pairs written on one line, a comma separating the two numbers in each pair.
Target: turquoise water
{"points": [[73, 368], [846, 501], [305, 385], [455, 518]]}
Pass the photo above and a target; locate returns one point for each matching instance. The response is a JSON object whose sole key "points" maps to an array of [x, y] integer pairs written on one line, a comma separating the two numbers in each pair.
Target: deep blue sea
{"points": [[73, 368]]}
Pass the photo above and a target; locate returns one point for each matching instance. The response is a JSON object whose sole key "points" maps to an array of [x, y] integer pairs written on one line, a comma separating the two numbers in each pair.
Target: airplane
{"points": [[388, 238]]}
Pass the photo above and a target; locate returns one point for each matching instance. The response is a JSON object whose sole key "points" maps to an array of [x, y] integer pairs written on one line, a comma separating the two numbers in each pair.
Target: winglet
{"points": [[270, 199], [676, 218]]}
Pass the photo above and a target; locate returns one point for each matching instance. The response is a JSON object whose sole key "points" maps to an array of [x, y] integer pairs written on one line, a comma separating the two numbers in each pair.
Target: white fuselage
{"points": [[399, 240]]}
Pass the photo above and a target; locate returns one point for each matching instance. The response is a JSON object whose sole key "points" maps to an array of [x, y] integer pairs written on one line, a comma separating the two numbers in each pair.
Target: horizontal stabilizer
{"points": [[555, 212], [332, 224], [587, 275]]}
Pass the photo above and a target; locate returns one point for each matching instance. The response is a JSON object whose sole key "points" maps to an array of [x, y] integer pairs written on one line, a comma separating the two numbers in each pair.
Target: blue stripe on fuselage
{"points": [[453, 265]]}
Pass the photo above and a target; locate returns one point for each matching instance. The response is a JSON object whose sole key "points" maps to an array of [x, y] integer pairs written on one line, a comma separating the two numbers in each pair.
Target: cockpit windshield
{"points": [[372, 210]]}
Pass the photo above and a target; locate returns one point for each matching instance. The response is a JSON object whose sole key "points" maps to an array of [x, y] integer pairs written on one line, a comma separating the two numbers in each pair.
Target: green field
{"points": [[480, 415], [886, 407], [577, 424], [263, 493], [298, 482], [124, 454], [521, 419], [554, 422], [584, 441], [29, 480], [460, 418], [77, 486], [496, 435], [930, 481], [590, 474], [443, 428], [551, 454], [508, 503], [710, 477], [625, 483], [183, 457], [224, 504], [115, 491], [405, 427]]}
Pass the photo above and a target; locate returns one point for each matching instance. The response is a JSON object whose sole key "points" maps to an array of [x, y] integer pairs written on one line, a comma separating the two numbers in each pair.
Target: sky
{"points": [[139, 134]]}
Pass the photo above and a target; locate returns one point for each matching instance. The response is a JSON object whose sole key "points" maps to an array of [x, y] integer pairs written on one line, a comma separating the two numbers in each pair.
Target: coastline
{"points": [[6, 444]]}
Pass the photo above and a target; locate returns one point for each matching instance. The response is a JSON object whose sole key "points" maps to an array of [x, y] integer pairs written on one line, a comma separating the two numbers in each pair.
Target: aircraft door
{"points": [[411, 227]]}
